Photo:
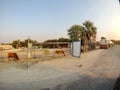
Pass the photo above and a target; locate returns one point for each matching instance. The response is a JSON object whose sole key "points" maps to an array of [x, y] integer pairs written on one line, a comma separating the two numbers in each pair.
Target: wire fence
{"points": [[36, 55]]}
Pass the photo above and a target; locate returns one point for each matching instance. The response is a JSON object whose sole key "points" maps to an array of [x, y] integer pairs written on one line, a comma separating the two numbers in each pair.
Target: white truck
{"points": [[104, 43]]}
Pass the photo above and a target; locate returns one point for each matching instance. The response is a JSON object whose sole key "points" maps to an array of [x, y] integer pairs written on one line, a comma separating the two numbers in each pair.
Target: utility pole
{"points": [[1, 49], [29, 47], [28, 52]]}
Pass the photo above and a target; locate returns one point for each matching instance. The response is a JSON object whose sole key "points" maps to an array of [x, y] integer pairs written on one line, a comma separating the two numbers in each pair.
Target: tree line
{"points": [[116, 41], [24, 43]]}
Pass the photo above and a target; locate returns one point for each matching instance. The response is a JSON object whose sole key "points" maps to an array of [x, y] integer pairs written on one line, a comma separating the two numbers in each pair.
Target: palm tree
{"points": [[90, 33], [84, 40]]}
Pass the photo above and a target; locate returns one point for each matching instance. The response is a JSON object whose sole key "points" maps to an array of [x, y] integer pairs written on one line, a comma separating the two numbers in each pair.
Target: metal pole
{"points": [[34, 52], [28, 52]]}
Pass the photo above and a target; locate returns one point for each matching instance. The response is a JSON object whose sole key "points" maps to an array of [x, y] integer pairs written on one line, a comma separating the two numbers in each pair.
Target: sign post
{"points": [[29, 51]]}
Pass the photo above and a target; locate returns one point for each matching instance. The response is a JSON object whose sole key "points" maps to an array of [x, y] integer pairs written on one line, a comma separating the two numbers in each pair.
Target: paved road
{"points": [[95, 70]]}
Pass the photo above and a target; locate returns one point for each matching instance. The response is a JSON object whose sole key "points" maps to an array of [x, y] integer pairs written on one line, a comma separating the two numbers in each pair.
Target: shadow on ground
{"points": [[88, 83], [117, 84]]}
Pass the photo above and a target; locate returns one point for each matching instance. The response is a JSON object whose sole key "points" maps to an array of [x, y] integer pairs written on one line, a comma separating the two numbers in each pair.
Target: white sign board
{"points": [[76, 48], [29, 46], [29, 49]]}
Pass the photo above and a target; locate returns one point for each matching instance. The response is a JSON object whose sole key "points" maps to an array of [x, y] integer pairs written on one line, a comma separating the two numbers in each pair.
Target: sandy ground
{"points": [[95, 70]]}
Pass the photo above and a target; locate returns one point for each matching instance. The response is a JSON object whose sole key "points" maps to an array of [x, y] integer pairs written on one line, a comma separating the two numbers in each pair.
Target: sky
{"points": [[50, 19]]}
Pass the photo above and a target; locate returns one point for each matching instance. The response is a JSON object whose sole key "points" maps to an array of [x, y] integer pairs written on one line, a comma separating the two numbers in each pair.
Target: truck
{"points": [[104, 43]]}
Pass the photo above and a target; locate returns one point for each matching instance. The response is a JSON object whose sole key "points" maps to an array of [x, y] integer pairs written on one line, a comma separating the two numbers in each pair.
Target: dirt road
{"points": [[95, 70]]}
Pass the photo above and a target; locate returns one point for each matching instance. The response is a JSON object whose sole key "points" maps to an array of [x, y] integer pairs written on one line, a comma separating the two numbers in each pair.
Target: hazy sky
{"points": [[48, 19]]}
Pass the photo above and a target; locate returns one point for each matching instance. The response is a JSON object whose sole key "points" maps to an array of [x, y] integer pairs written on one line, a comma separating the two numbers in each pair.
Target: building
{"points": [[56, 44]]}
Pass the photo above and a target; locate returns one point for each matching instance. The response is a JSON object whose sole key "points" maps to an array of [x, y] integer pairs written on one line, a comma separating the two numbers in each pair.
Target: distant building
{"points": [[6, 47]]}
